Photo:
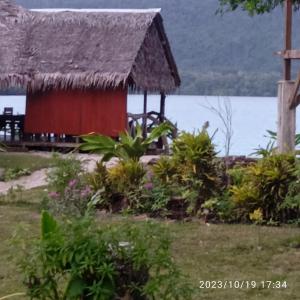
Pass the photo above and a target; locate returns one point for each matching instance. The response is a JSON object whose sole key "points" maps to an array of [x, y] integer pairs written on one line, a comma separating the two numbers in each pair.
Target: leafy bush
{"points": [[219, 208], [165, 169], [192, 172], [120, 187], [73, 201], [126, 176], [291, 202], [195, 155], [64, 170], [264, 186], [14, 173], [128, 147], [126, 179], [70, 193], [81, 260]]}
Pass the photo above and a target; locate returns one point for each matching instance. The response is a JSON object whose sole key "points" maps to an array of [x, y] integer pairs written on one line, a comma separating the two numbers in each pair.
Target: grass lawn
{"points": [[215, 252], [23, 161]]}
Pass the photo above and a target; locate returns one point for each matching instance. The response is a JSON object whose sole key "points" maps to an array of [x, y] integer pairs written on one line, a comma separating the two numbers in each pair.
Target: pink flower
{"points": [[149, 175], [148, 186], [72, 182], [86, 192], [53, 195]]}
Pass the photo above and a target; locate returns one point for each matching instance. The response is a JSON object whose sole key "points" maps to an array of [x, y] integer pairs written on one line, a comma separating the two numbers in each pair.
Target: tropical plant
{"points": [[265, 151], [126, 175], [156, 197], [219, 208], [196, 156], [291, 202], [264, 186], [127, 147], [121, 185], [79, 259], [126, 181], [273, 136], [190, 174], [165, 169]]}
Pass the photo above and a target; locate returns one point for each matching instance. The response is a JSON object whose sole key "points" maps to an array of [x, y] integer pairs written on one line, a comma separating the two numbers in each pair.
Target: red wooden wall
{"points": [[77, 112]]}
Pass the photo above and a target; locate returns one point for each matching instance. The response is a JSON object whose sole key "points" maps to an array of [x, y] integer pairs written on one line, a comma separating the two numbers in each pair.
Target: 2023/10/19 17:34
{"points": [[242, 284]]}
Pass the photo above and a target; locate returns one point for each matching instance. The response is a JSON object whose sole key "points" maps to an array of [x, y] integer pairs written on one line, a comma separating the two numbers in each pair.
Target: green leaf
{"points": [[158, 131], [98, 139], [75, 288], [48, 225]]}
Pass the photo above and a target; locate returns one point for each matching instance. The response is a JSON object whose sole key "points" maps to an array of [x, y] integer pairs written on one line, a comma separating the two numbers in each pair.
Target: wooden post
{"points": [[162, 107], [286, 118], [145, 115], [286, 91], [288, 38], [161, 143]]}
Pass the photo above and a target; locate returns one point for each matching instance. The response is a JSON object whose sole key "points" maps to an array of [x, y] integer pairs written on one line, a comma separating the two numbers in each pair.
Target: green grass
{"points": [[24, 161], [215, 252]]}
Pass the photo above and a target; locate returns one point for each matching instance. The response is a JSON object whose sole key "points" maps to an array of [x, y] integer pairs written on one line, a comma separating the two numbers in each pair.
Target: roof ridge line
{"points": [[95, 10]]}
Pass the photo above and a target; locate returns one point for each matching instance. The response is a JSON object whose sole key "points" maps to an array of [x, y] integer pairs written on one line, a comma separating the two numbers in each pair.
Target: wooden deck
{"points": [[13, 136], [41, 144]]}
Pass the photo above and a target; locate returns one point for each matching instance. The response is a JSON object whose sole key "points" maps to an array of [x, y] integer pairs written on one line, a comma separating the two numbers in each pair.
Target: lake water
{"points": [[251, 116]]}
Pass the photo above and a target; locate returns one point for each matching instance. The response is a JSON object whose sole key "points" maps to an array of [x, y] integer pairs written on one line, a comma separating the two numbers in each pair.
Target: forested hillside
{"points": [[216, 55]]}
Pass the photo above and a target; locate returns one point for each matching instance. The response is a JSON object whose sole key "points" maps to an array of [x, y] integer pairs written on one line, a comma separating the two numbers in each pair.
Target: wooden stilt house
{"points": [[77, 66]]}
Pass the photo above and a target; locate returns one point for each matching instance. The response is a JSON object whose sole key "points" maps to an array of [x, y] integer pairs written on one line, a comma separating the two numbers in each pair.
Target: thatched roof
{"points": [[72, 49]]}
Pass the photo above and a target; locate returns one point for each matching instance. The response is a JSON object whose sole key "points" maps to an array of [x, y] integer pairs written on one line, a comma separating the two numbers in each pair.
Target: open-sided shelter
{"points": [[77, 66]]}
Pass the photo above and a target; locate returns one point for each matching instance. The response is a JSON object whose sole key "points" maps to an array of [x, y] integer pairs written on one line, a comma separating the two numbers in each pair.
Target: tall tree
{"points": [[253, 6]]}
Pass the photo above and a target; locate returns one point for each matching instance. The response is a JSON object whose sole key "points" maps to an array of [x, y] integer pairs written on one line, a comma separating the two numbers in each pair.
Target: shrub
{"points": [[264, 186], [188, 178], [14, 173], [126, 176], [120, 187], [81, 260], [165, 169], [219, 209], [291, 203], [64, 170], [192, 172], [195, 155], [126, 180], [73, 201]]}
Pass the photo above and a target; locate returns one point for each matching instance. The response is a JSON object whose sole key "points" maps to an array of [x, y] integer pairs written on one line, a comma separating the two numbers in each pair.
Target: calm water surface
{"points": [[251, 116]]}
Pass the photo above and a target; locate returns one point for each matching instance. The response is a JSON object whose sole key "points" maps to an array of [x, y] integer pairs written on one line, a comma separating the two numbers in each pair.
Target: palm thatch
{"points": [[80, 50]]}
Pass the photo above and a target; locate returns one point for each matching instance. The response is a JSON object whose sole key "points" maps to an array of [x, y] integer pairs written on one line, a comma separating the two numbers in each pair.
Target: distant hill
{"points": [[216, 55]]}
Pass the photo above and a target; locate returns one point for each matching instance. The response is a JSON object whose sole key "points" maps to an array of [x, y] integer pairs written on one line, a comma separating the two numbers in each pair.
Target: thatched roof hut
{"points": [[77, 66], [80, 50]]}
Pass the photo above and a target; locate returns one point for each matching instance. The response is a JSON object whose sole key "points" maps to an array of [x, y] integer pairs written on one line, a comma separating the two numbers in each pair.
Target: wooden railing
{"points": [[148, 121]]}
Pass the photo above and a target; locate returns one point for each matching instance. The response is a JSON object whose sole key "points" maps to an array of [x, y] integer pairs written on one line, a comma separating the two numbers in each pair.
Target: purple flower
{"points": [[148, 186], [149, 175], [86, 192], [72, 182], [53, 195]]}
